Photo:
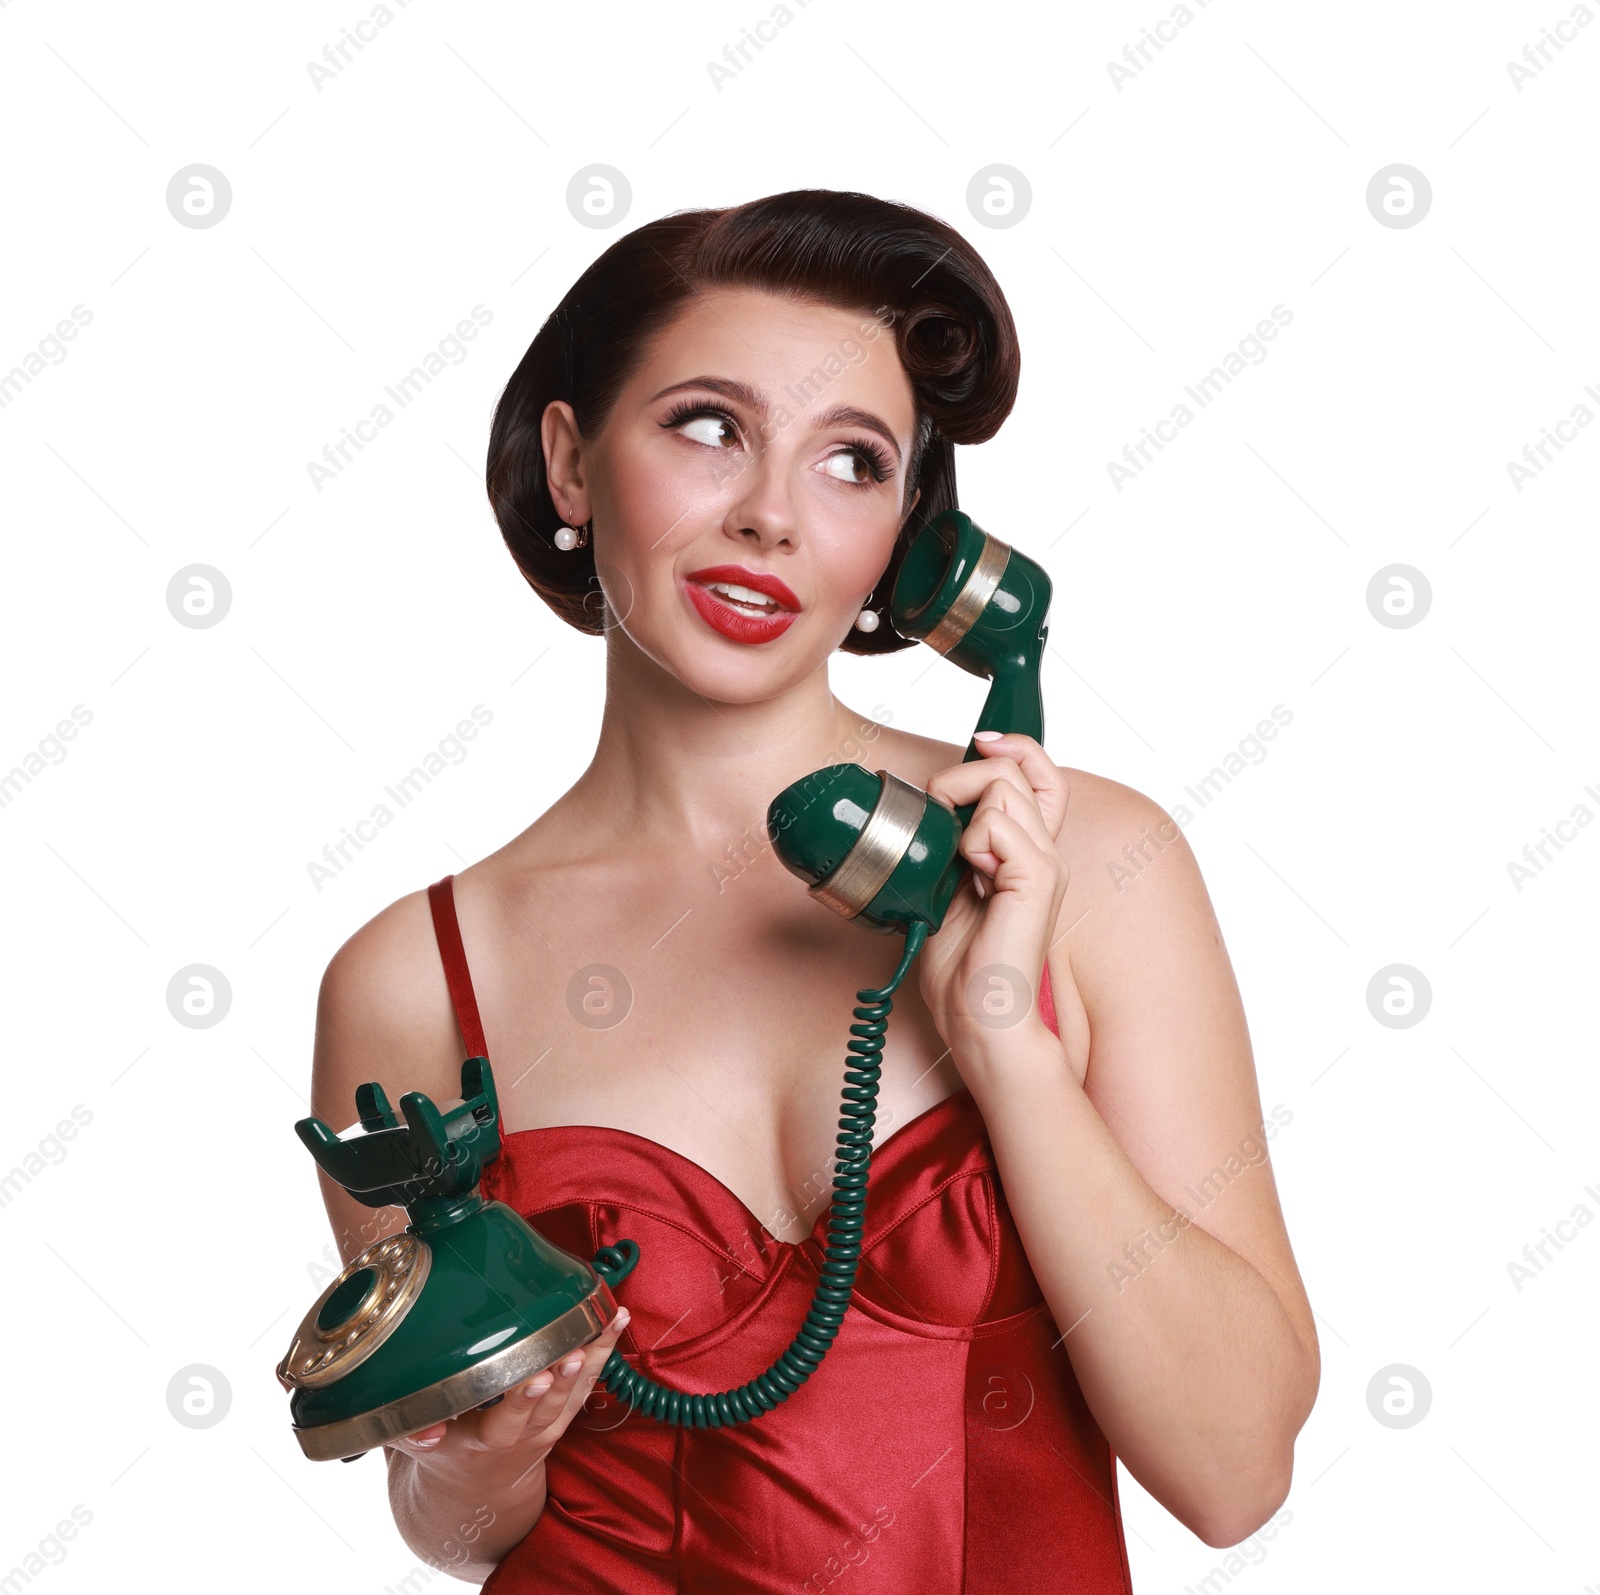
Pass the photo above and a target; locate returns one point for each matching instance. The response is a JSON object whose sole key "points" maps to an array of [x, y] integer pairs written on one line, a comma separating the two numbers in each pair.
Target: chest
{"points": [[718, 1029]]}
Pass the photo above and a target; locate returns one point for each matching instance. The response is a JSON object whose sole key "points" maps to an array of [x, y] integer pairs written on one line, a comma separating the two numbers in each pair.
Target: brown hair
{"points": [[952, 327]]}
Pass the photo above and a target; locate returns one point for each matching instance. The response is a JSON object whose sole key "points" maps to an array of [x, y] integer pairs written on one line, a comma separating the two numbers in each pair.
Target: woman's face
{"points": [[760, 433]]}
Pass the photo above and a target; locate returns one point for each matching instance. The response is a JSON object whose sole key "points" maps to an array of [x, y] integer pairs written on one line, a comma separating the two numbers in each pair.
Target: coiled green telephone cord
{"points": [[857, 1114]]}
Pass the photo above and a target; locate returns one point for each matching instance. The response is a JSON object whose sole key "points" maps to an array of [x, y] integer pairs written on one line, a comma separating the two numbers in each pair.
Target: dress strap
{"points": [[442, 900]]}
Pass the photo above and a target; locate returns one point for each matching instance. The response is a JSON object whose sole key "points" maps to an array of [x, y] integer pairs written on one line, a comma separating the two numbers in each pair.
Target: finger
{"points": [[534, 1405], [503, 1426], [963, 785], [548, 1398], [424, 1442], [959, 784], [596, 1354], [1001, 796], [1003, 845], [1044, 777], [1018, 759]]}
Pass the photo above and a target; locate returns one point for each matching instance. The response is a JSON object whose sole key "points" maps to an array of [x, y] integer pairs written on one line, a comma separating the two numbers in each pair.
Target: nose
{"points": [[760, 504]]}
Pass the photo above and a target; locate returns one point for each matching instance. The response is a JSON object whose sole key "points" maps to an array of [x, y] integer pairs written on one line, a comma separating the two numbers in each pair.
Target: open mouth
{"points": [[740, 613], [745, 600]]}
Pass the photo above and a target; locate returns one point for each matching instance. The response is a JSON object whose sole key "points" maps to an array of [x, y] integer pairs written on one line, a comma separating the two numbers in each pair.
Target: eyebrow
{"points": [[743, 393]]}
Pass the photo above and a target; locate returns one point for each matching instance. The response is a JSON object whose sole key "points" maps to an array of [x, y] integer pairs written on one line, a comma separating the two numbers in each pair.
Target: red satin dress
{"points": [[943, 1444]]}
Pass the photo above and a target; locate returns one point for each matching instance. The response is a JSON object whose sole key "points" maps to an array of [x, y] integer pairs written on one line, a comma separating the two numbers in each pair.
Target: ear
{"points": [[912, 505], [563, 455]]}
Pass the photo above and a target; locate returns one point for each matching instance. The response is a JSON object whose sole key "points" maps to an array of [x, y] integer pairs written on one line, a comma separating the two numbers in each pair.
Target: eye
{"points": [[708, 422], [860, 463], [869, 457]]}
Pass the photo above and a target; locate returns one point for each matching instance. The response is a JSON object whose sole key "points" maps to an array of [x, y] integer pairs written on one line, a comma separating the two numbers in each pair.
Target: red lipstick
{"points": [[724, 614]]}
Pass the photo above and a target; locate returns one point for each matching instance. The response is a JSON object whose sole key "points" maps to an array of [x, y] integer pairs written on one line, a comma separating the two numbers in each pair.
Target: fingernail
{"points": [[537, 1387], [424, 1444], [622, 1319], [987, 736], [572, 1365]]}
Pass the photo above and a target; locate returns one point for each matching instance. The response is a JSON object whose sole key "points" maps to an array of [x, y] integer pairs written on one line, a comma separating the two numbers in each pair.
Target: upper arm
{"points": [[383, 1014], [1170, 1068]]}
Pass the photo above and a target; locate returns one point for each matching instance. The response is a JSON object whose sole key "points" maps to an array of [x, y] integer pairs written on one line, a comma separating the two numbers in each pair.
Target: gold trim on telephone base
{"points": [[463, 1391]]}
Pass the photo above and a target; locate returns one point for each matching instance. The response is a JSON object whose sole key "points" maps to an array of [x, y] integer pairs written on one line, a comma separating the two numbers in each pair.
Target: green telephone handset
{"points": [[470, 1300]]}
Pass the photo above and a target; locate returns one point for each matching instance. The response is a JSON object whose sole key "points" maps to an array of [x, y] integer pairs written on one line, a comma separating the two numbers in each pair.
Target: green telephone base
{"points": [[464, 1304]]}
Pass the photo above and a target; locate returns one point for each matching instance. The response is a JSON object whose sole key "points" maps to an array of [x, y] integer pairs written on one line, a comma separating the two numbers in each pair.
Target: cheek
{"points": [[854, 565], [660, 498], [852, 536]]}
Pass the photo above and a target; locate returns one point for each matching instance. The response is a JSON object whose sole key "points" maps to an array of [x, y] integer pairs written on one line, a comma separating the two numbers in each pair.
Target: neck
{"points": [[674, 769]]}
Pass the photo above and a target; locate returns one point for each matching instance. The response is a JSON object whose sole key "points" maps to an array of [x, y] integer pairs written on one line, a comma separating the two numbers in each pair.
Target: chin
{"points": [[731, 673], [738, 682]]}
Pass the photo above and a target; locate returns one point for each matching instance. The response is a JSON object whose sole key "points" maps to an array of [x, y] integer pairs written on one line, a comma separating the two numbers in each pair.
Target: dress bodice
{"points": [[943, 1444]]}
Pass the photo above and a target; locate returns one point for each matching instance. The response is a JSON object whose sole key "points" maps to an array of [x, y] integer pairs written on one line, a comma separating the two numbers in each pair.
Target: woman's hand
{"points": [[980, 974], [484, 1453]]}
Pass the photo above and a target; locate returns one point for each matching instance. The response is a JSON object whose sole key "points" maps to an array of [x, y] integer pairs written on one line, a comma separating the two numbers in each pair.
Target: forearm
{"points": [[465, 1532], [1184, 1352]]}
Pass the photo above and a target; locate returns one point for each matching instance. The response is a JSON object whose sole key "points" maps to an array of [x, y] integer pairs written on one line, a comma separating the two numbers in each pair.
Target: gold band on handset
{"points": [[976, 591], [862, 872]]}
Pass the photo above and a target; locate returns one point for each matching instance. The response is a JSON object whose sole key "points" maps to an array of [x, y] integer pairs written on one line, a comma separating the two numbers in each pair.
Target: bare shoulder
{"points": [[1113, 833], [384, 1014], [1135, 895], [1101, 796], [1113, 837]]}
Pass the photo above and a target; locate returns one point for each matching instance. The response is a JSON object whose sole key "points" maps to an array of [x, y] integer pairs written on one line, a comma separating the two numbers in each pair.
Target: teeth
{"points": [[744, 595]]}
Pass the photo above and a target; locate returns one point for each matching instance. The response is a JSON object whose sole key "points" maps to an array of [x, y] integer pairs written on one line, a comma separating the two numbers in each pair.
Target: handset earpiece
{"points": [[871, 846]]}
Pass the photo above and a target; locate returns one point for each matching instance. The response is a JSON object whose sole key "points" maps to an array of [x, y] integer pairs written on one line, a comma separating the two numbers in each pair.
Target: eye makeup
{"points": [[873, 457]]}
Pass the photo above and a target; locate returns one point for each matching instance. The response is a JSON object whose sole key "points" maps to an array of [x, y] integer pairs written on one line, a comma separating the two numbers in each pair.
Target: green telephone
{"points": [[469, 1300]]}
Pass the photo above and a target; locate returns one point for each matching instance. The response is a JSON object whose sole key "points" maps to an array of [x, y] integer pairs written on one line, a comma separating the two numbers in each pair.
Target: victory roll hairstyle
{"points": [[952, 328]]}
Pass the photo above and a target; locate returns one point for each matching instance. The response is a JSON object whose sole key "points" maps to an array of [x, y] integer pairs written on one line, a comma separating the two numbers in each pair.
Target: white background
{"points": [[182, 1225]]}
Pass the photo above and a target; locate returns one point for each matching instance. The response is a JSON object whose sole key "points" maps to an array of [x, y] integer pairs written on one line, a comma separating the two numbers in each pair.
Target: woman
{"points": [[714, 454]]}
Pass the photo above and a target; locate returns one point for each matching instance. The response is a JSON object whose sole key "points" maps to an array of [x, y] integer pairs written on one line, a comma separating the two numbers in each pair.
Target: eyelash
{"points": [[872, 455]]}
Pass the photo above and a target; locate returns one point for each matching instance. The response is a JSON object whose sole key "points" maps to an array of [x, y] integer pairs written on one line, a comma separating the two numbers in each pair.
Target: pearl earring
{"points": [[867, 620], [570, 537]]}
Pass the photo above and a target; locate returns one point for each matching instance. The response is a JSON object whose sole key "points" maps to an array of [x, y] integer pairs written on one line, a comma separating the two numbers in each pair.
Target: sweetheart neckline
{"points": [[878, 1153]]}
